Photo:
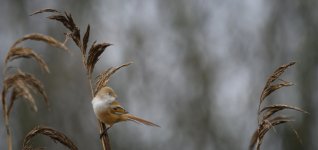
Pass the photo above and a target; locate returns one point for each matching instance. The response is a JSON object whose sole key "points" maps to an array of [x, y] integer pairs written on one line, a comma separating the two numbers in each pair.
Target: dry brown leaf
{"points": [[85, 41], [277, 73], [53, 134], [6, 118], [21, 83], [18, 52], [273, 88], [76, 36], [14, 95], [40, 37], [266, 121], [267, 125], [95, 51], [68, 22], [37, 86], [254, 140], [272, 109], [279, 120], [64, 19], [44, 10], [3, 99], [103, 78], [23, 91], [61, 19]]}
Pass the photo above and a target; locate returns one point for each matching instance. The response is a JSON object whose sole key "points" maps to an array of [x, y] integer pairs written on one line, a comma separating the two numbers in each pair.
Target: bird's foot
{"points": [[103, 133]]}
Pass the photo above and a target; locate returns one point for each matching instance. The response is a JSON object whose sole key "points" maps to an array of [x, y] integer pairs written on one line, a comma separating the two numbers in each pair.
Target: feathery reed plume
{"points": [[85, 41], [41, 37], [18, 52], [266, 118], [44, 10], [20, 84], [95, 51], [53, 134], [89, 62], [103, 78]]}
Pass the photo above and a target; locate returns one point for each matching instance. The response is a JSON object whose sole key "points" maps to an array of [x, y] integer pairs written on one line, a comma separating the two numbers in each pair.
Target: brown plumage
{"points": [[109, 111]]}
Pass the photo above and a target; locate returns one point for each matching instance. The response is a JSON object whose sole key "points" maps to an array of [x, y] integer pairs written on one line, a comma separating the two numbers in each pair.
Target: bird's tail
{"points": [[131, 117]]}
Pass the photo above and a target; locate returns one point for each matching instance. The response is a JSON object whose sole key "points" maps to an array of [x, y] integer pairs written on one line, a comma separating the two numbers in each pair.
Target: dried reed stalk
{"points": [[266, 118], [18, 52], [88, 62], [6, 121], [95, 51], [103, 78], [40, 37], [44, 10], [53, 134], [21, 84]]}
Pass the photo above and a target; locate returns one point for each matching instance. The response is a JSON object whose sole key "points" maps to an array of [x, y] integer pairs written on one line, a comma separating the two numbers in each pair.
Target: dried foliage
{"points": [[53, 134], [85, 41], [18, 52], [20, 84], [266, 115], [44, 10], [272, 109], [40, 37], [67, 20], [95, 51], [89, 61], [104, 77]]}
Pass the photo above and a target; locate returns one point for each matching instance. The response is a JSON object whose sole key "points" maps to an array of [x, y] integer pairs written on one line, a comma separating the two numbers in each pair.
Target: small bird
{"points": [[109, 111]]}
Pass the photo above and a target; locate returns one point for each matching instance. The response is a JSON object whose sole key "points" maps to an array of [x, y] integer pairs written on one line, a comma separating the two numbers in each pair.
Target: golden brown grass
{"points": [[41, 37], [21, 85], [103, 78], [53, 134], [18, 52], [18, 85], [266, 115], [89, 61]]}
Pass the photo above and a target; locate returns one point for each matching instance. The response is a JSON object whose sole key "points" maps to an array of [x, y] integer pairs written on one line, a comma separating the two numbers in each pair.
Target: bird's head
{"points": [[106, 94], [106, 98]]}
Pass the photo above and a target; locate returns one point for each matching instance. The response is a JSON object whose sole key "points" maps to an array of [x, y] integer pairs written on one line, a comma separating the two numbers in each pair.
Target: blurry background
{"points": [[199, 68]]}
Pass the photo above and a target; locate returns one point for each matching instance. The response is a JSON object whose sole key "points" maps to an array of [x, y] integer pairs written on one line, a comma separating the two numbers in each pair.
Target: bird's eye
{"points": [[116, 108]]}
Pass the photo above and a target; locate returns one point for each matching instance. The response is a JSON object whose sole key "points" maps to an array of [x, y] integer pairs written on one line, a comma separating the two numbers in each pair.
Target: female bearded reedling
{"points": [[109, 111]]}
